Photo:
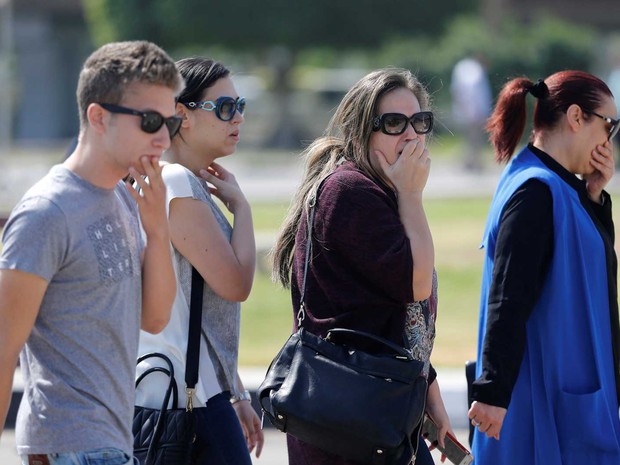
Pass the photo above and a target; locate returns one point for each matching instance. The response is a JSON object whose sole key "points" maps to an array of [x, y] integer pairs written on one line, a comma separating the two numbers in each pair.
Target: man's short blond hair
{"points": [[110, 69]]}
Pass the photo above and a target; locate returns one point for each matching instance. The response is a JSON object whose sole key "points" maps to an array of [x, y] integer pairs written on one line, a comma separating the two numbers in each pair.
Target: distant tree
{"points": [[278, 29], [252, 24], [534, 49]]}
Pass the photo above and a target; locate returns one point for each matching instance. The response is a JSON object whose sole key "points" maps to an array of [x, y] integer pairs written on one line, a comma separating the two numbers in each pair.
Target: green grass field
{"points": [[457, 226]]}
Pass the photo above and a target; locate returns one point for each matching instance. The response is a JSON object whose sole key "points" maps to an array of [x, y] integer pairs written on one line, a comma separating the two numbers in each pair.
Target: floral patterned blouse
{"points": [[420, 326]]}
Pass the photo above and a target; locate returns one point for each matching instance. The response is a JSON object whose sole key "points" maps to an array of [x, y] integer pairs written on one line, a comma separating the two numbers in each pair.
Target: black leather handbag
{"points": [[165, 436], [351, 393]]}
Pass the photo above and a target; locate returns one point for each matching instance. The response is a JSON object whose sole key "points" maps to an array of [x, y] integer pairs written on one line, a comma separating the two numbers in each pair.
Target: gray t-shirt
{"points": [[79, 361]]}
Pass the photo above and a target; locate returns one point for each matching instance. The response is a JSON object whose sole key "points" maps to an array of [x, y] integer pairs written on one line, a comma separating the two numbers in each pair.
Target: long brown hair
{"points": [[346, 138]]}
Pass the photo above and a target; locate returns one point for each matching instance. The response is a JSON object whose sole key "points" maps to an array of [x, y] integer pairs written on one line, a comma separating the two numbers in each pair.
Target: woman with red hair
{"points": [[547, 386]]}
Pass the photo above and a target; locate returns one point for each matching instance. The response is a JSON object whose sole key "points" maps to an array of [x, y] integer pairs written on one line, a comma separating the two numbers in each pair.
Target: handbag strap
{"points": [[191, 363], [193, 337], [301, 314], [172, 389], [312, 201]]}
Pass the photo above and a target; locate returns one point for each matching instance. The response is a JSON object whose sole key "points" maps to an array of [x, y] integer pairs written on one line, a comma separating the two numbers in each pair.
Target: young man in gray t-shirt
{"points": [[77, 281]]}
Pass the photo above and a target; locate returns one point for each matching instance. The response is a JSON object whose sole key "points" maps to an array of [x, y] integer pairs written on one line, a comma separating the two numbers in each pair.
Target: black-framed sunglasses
{"points": [[225, 107], [395, 124], [615, 124], [151, 122]]}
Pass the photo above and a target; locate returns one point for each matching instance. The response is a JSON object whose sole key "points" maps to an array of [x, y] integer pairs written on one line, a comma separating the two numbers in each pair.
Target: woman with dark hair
{"points": [[372, 266], [548, 371], [223, 254]]}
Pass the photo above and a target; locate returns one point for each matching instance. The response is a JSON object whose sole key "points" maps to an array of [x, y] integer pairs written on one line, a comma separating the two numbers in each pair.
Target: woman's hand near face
{"points": [[224, 186], [227, 264], [602, 161], [409, 173]]}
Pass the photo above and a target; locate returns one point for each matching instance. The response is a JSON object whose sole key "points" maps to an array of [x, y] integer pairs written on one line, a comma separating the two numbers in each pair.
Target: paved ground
{"points": [[274, 450], [266, 182], [276, 178], [272, 178]]}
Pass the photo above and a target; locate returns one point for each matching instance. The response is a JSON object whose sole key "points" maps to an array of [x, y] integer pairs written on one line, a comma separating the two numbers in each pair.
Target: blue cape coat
{"points": [[563, 409]]}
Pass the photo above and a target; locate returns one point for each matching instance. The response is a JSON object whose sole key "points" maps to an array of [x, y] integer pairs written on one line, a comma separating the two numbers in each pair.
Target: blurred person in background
{"points": [[548, 371], [613, 81], [228, 428], [372, 266], [472, 102], [77, 280]]}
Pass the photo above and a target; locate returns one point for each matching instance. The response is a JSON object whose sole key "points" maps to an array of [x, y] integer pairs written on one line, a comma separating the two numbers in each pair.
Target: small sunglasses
{"points": [[151, 122], [225, 107], [615, 124], [394, 124]]}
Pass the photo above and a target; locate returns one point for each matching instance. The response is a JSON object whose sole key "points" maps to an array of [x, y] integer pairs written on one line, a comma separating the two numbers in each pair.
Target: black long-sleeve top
{"points": [[522, 257]]}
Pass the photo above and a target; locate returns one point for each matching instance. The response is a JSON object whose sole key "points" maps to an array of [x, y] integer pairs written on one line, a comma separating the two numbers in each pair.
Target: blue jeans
{"points": [[106, 456], [219, 437]]}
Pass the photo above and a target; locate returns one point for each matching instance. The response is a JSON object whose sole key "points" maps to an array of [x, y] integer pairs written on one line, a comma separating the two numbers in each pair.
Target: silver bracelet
{"points": [[245, 395]]}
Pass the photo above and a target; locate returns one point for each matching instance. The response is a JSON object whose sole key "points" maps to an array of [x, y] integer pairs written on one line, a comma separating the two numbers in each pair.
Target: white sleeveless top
{"points": [[219, 340]]}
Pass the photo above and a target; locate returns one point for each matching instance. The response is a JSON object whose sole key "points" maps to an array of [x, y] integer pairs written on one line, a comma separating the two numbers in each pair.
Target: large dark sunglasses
{"points": [[225, 107], [394, 124], [151, 122], [615, 124]]}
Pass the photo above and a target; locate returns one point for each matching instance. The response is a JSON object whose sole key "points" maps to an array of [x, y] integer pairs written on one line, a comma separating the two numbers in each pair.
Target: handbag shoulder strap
{"points": [[301, 314], [191, 364], [193, 339], [312, 201]]}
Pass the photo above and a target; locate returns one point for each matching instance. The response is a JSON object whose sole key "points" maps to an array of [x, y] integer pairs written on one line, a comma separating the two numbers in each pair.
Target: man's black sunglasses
{"points": [[151, 122], [395, 124], [615, 124]]}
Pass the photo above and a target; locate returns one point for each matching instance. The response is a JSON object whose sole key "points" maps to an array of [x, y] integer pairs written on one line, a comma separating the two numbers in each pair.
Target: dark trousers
{"points": [[301, 453], [424, 456], [219, 437]]}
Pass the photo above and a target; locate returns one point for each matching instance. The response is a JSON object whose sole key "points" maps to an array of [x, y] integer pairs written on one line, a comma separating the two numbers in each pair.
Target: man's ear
{"points": [[574, 117], [97, 117]]}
